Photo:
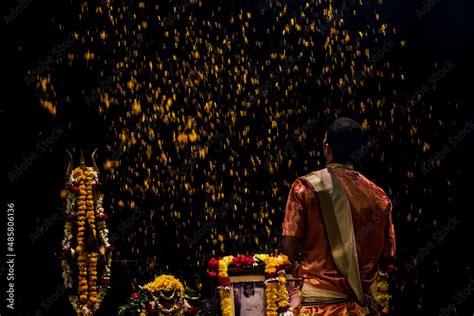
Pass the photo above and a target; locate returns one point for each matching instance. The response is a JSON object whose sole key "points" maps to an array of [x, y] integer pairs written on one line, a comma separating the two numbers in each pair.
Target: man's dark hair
{"points": [[346, 139]]}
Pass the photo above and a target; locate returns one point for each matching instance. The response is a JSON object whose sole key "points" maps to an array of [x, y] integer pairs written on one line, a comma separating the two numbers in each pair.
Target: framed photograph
{"points": [[249, 295]]}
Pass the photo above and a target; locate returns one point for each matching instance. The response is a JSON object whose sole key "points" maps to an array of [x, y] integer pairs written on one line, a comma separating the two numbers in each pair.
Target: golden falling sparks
{"points": [[208, 107]]}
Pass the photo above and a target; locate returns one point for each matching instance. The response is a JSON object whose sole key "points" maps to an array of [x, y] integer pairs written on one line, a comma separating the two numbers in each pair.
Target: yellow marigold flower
{"points": [[262, 257], [165, 283], [228, 259]]}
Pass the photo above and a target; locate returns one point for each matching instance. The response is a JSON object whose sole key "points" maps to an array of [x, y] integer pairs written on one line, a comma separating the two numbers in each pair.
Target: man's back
{"points": [[354, 217], [373, 230]]}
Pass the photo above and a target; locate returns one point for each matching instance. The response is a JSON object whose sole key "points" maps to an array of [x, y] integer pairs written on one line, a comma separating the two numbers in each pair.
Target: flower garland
{"points": [[166, 284], [275, 282], [382, 294], [165, 294], [218, 268], [86, 218]]}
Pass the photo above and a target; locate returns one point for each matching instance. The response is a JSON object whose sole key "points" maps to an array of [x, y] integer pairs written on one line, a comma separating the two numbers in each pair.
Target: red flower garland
{"points": [[243, 261]]}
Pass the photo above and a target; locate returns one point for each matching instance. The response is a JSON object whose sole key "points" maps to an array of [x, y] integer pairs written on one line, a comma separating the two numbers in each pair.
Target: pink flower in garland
{"points": [[223, 281], [106, 281], [102, 216], [242, 261], [149, 308], [193, 310], [72, 187], [213, 266], [135, 295]]}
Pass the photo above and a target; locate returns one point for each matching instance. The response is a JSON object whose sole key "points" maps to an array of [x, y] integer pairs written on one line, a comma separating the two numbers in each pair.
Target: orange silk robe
{"points": [[373, 229]]}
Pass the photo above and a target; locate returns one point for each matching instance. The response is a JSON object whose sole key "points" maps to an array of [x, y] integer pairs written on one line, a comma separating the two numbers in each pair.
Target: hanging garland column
{"points": [[86, 247]]}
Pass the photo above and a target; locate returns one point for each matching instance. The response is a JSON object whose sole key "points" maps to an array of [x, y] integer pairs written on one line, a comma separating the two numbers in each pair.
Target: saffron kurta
{"points": [[373, 229]]}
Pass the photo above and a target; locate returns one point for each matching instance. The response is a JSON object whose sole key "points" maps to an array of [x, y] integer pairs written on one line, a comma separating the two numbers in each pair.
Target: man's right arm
{"points": [[294, 222]]}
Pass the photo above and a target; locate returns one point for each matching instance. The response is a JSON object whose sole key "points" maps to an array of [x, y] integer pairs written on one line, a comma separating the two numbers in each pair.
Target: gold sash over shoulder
{"points": [[337, 217]]}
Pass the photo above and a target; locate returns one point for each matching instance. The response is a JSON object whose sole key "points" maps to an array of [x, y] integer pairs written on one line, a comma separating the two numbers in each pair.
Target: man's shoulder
{"points": [[307, 177], [377, 191], [301, 185]]}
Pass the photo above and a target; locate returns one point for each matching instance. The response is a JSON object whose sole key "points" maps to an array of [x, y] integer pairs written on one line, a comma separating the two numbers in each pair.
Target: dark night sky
{"points": [[444, 33]]}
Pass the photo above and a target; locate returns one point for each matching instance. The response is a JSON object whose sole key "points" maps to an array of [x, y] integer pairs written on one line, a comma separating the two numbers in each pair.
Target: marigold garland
{"points": [[85, 225], [166, 284], [276, 292], [275, 283], [165, 294], [225, 285], [382, 294], [226, 302]]}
